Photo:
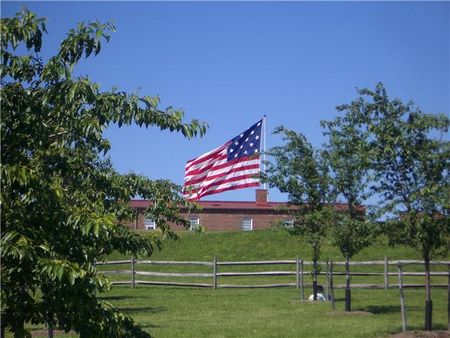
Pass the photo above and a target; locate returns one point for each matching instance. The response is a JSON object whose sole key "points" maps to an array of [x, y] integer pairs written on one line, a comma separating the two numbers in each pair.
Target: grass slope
{"points": [[271, 244]]}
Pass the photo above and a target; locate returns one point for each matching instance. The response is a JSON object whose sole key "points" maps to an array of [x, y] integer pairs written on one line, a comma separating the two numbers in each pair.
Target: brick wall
{"points": [[226, 220], [231, 220], [228, 216]]}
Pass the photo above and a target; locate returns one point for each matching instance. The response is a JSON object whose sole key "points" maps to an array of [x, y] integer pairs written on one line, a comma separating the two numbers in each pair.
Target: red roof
{"points": [[234, 205]]}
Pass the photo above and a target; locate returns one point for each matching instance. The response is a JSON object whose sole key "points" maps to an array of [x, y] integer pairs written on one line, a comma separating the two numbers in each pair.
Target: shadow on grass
{"points": [[381, 309], [118, 297], [146, 309], [436, 327], [147, 326]]}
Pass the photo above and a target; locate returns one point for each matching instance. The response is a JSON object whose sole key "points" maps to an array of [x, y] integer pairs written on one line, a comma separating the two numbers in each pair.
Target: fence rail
{"points": [[299, 272]]}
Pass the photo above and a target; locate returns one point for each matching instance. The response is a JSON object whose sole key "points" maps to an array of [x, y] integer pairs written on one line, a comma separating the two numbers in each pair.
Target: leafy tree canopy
{"points": [[63, 204], [347, 154], [409, 155], [300, 170]]}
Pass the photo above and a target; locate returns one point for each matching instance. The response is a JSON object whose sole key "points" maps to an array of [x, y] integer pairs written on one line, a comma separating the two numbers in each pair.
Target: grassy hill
{"points": [[271, 244]]}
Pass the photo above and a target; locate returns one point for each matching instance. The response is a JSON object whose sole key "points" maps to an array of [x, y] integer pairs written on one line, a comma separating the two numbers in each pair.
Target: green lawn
{"points": [[202, 312], [192, 312]]}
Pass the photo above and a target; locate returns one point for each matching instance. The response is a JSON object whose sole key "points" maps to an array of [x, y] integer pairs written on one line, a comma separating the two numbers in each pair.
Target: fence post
{"points": [[215, 273], [402, 298], [95, 269], [133, 272], [302, 286], [348, 292], [386, 273], [50, 330], [448, 299], [328, 279], [333, 304], [297, 273]]}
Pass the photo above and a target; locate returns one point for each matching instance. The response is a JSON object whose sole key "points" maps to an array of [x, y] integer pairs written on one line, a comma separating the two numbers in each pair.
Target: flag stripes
{"points": [[234, 165]]}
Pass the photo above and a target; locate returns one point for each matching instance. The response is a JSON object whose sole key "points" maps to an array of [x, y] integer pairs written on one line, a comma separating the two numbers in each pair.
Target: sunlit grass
{"points": [[204, 312]]}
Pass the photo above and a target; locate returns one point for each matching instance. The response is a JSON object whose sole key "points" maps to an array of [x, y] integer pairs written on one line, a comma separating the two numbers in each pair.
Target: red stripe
{"points": [[225, 181], [206, 168], [230, 180], [221, 166], [200, 159], [230, 171], [233, 187]]}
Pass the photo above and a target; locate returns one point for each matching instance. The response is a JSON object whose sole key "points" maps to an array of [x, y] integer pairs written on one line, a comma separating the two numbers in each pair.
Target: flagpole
{"points": [[264, 150]]}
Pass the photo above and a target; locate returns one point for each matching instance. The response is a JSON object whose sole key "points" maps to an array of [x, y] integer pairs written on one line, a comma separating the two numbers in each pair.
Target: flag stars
{"points": [[246, 144]]}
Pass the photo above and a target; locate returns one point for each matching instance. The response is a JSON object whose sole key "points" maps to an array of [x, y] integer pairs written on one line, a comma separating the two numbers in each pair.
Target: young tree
{"points": [[63, 204], [347, 155], [410, 159], [301, 172]]}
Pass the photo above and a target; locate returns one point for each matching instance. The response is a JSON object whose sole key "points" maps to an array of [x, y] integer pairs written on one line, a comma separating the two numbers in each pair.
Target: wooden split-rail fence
{"points": [[215, 273]]}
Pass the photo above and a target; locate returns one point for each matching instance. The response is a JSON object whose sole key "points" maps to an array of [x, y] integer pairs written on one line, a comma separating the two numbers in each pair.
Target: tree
{"points": [[63, 204], [347, 155], [410, 160], [301, 172]]}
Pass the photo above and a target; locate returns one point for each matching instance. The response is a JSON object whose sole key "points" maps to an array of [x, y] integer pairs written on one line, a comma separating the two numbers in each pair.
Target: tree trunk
{"points": [[50, 326], [315, 279], [428, 301], [347, 285], [19, 330]]}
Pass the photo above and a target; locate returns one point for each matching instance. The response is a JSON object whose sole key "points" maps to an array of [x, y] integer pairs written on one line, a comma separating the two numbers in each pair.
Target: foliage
{"points": [[301, 172], [347, 154], [410, 159], [63, 204]]}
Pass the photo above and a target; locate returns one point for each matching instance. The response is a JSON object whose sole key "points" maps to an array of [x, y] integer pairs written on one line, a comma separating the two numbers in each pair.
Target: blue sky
{"points": [[230, 63]]}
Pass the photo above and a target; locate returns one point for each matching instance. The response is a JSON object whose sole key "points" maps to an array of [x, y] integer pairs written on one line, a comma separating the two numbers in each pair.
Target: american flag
{"points": [[234, 165]]}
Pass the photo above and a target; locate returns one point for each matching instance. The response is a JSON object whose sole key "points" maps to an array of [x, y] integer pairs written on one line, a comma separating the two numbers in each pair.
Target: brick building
{"points": [[225, 215]]}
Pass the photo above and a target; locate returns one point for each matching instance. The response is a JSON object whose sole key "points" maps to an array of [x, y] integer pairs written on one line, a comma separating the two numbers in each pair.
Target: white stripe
{"points": [[199, 166], [229, 176], [221, 181], [223, 170], [217, 150], [229, 184]]}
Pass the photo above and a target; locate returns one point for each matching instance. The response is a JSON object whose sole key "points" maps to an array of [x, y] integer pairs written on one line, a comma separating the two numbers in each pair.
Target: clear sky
{"points": [[230, 63]]}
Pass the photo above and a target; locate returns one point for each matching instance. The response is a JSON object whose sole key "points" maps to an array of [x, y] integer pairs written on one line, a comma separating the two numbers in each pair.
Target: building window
{"points": [[149, 224], [289, 223], [195, 222], [247, 224]]}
